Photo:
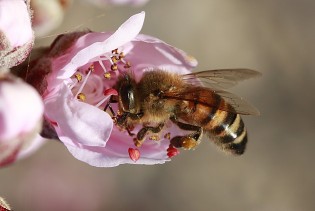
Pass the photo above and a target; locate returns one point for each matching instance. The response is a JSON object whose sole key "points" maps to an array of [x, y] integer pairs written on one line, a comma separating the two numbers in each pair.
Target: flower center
{"points": [[92, 82]]}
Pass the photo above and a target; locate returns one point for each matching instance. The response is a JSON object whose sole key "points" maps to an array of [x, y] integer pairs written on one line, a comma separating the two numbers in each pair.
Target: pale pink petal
{"points": [[116, 152], [151, 53], [16, 34], [125, 33], [21, 108], [15, 22], [77, 122]]}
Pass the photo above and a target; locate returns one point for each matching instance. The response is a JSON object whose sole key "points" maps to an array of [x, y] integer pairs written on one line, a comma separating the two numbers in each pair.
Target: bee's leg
{"points": [[112, 99], [189, 141], [142, 133]]}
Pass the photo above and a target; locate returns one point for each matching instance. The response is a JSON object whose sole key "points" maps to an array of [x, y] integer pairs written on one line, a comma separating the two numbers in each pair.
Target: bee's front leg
{"points": [[142, 133]]}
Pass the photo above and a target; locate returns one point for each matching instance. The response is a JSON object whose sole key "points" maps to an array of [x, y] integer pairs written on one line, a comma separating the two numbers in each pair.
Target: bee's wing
{"points": [[220, 78], [193, 94], [240, 105]]}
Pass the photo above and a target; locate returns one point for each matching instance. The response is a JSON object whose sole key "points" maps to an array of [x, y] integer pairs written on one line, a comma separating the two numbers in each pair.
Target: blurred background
{"points": [[276, 38]]}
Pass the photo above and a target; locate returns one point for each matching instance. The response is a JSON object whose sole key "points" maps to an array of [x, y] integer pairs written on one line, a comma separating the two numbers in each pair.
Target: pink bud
{"points": [[16, 34], [21, 111]]}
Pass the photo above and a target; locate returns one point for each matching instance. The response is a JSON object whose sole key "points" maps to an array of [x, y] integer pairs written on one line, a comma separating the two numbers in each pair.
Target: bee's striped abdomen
{"points": [[228, 130], [219, 120]]}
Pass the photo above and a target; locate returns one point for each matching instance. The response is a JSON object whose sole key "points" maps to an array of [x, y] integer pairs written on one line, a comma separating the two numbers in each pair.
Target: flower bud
{"points": [[21, 111], [16, 34]]}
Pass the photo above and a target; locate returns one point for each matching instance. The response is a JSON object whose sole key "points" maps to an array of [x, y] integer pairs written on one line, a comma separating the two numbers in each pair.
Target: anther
{"points": [[154, 138], [78, 76], [107, 75], [114, 67], [114, 59], [121, 55], [172, 151], [81, 97], [90, 69], [107, 93], [115, 51], [134, 154], [167, 136], [84, 81]]}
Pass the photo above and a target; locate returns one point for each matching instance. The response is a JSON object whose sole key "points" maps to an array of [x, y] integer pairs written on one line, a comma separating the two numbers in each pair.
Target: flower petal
{"points": [[116, 152], [78, 123], [152, 53], [95, 45]]}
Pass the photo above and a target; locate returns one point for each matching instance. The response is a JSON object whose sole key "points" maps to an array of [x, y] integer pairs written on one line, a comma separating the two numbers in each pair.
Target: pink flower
{"points": [[82, 71], [21, 110], [48, 15], [16, 35], [119, 2]]}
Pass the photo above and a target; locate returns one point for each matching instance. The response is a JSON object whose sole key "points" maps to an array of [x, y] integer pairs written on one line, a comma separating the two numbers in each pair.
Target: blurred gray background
{"points": [[276, 38]]}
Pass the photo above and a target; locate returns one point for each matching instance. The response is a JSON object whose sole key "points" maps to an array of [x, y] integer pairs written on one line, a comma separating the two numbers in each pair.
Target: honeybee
{"points": [[207, 109]]}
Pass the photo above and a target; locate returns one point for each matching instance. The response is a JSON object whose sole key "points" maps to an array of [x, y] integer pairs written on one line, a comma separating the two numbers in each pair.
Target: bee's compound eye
{"points": [[127, 97]]}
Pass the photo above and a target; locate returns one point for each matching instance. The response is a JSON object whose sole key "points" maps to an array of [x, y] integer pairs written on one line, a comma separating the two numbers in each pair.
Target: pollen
{"points": [[154, 138], [78, 76], [114, 59], [121, 55], [91, 68], [107, 75], [114, 67], [81, 97], [167, 136]]}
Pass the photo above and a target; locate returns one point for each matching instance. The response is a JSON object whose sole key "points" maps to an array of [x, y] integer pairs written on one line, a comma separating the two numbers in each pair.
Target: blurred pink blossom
{"points": [[48, 15], [16, 34], [21, 110], [76, 77]]}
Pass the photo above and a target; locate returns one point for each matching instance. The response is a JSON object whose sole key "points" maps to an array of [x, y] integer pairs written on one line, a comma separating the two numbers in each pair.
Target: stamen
{"points": [[121, 55], [114, 67], [78, 76], [74, 83], [81, 97], [115, 51], [102, 65], [134, 154], [167, 136], [114, 59], [107, 75], [85, 80], [154, 138], [172, 151], [107, 94]]}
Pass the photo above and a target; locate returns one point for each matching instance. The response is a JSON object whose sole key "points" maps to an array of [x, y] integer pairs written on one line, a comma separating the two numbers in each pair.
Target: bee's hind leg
{"points": [[189, 141], [143, 132]]}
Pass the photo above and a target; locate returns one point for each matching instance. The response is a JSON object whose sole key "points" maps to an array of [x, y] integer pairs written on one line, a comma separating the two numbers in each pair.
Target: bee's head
{"points": [[127, 91]]}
